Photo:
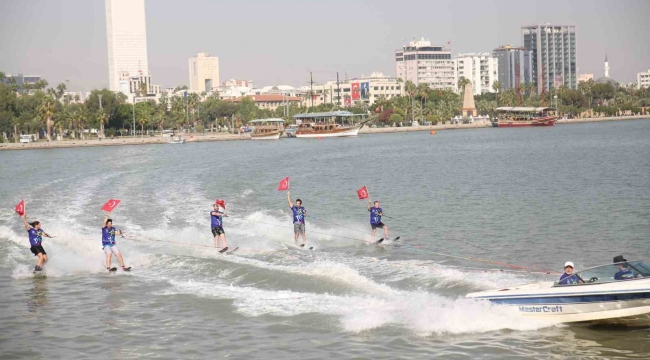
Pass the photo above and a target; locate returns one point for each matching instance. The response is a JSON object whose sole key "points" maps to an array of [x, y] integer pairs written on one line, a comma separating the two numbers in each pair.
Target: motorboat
{"points": [[600, 296], [291, 130], [176, 140]]}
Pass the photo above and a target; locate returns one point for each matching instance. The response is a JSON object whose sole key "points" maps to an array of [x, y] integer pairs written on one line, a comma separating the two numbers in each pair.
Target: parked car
{"points": [[25, 138]]}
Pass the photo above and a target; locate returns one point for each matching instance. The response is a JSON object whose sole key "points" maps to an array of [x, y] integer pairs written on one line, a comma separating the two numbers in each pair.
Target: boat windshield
{"points": [[614, 272]]}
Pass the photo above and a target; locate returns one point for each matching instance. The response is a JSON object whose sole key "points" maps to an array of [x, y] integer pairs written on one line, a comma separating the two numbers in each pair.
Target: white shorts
{"points": [[108, 249]]}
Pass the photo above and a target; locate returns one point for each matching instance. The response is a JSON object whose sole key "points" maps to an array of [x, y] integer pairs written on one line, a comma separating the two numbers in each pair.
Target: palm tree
{"points": [[102, 117], [46, 112], [496, 86], [462, 82]]}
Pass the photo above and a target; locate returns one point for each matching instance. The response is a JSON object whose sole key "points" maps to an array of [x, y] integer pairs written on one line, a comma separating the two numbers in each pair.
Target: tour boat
{"points": [[597, 299], [327, 124], [525, 116], [266, 129]]}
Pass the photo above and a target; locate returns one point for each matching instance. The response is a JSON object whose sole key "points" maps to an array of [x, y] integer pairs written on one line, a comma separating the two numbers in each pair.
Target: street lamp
{"points": [[134, 116]]}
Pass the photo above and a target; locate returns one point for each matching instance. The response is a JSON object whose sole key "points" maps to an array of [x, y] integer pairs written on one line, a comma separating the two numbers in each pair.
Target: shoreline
{"points": [[209, 137]]}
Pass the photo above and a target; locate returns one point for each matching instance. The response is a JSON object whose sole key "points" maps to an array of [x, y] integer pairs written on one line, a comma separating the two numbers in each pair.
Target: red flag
{"points": [[284, 184], [362, 193], [110, 205], [20, 208], [221, 203]]}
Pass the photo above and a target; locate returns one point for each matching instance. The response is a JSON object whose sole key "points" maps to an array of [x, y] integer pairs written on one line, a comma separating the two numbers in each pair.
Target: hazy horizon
{"points": [[279, 42]]}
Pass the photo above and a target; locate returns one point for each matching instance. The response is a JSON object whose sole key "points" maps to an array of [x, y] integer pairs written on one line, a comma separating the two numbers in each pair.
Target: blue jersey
{"points": [[108, 236], [216, 220], [567, 279], [624, 274], [298, 214], [35, 236], [375, 215]]}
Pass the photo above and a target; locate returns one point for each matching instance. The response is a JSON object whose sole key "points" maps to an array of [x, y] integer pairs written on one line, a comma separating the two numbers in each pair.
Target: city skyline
{"points": [[267, 42]]}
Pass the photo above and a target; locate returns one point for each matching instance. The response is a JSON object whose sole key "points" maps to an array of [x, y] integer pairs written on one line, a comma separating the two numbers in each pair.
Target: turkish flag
{"points": [[221, 203], [20, 208], [363, 193], [284, 184], [110, 205]]}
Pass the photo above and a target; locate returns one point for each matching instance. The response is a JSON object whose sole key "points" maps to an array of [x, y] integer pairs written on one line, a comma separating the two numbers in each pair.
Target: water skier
{"points": [[375, 219], [299, 213], [216, 219], [35, 239], [108, 243]]}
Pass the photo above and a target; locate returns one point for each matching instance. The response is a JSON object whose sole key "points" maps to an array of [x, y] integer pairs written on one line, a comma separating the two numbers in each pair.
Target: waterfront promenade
{"points": [[148, 140]]}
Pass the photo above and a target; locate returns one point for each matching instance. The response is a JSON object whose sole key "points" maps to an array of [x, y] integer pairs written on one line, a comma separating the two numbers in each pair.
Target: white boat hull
{"points": [[620, 303], [266, 137], [354, 131]]}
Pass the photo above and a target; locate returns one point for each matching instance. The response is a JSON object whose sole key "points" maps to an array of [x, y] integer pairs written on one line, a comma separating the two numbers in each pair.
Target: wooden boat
{"points": [[525, 116], [327, 124], [266, 129]]}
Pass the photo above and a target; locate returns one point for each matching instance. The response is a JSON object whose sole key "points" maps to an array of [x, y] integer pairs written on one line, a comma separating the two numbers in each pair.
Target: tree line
{"points": [[36, 108], [441, 105]]}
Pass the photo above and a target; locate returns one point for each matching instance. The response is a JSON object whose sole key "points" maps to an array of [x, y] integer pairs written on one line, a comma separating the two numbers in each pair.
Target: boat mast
{"points": [[311, 88]]}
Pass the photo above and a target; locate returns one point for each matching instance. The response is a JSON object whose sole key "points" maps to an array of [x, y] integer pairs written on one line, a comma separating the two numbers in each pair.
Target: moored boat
{"points": [[598, 297], [525, 116], [327, 124], [266, 129], [291, 130], [178, 139]]}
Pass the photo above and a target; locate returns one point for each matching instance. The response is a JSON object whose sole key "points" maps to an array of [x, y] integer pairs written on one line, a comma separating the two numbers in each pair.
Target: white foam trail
{"points": [[421, 312], [70, 253]]}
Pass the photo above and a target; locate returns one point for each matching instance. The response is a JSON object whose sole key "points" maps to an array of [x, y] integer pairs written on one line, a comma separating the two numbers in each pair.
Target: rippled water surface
{"points": [[525, 196]]}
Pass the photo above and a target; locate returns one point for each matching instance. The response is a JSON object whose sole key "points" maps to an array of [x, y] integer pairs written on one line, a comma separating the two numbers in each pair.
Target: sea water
{"points": [[528, 197]]}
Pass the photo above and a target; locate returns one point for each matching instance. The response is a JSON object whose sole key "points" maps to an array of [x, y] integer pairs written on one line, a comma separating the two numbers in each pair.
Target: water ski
{"points": [[223, 250], [233, 250], [303, 246], [112, 269], [126, 268], [382, 239]]}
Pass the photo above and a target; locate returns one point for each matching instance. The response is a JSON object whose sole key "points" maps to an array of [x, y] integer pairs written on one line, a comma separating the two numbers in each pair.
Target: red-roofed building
{"points": [[270, 101]]}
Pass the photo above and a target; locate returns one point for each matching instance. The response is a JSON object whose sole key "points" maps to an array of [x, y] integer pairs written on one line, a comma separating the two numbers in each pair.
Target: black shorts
{"points": [[380, 225], [217, 231], [37, 249]]}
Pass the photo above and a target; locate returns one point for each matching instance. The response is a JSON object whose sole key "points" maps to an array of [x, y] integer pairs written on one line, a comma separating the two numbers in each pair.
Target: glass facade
{"points": [[554, 55]]}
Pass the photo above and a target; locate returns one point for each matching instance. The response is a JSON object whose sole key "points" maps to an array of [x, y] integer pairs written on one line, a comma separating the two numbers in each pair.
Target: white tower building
{"points": [[481, 69], [204, 72], [126, 35], [606, 67], [423, 63]]}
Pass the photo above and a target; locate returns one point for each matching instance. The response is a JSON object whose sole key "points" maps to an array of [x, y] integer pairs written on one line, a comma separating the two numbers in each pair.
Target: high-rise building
{"points": [[643, 79], [480, 69], [554, 55], [204, 72], [126, 32], [514, 62], [420, 62], [24, 83]]}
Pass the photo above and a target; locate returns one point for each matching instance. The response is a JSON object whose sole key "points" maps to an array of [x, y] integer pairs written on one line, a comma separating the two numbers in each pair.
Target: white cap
{"points": [[569, 263]]}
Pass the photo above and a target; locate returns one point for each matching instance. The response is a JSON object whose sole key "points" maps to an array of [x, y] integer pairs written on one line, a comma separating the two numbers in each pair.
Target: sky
{"points": [[275, 42]]}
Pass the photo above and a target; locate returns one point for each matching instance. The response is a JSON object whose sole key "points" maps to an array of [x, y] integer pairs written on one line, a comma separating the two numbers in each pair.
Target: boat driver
{"points": [[624, 273], [568, 278]]}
